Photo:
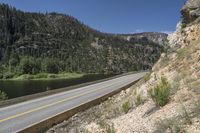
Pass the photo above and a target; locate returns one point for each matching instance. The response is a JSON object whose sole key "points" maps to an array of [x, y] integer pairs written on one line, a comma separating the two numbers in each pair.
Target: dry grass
{"points": [[109, 128], [126, 107], [139, 100], [171, 125]]}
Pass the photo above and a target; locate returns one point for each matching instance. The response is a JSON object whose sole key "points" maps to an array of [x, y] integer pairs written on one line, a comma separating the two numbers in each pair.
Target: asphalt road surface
{"points": [[19, 116]]}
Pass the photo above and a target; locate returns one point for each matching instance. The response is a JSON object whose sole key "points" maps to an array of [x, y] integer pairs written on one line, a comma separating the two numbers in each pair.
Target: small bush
{"points": [[139, 100], [41, 75], [110, 129], [52, 76], [50, 66], [126, 107], [26, 77], [161, 92], [3, 96], [8, 75], [28, 65]]}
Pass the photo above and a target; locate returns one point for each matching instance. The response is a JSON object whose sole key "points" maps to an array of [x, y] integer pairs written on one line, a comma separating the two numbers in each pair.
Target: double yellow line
{"points": [[52, 104]]}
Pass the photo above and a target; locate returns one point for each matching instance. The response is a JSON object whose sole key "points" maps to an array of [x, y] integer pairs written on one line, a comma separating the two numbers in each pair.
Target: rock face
{"points": [[77, 47], [191, 11], [158, 38], [188, 28]]}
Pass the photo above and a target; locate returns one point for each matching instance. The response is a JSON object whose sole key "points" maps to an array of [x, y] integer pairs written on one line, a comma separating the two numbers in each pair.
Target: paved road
{"points": [[19, 116]]}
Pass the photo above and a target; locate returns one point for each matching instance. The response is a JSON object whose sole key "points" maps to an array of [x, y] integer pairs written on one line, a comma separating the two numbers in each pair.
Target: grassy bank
{"points": [[45, 76]]}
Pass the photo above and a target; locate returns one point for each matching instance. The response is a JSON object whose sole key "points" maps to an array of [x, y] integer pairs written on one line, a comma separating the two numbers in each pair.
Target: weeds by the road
{"points": [[161, 92], [126, 106]]}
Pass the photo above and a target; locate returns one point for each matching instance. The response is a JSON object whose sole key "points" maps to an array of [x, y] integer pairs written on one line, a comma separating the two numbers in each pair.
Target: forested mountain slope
{"points": [[34, 42]]}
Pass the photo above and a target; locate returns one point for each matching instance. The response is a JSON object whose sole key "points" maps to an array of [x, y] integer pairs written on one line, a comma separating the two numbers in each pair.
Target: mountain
{"points": [[66, 44], [167, 100]]}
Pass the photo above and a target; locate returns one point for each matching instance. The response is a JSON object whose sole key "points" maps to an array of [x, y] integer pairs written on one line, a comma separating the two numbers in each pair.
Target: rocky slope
{"points": [[180, 65], [73, 45], [158, 38]]}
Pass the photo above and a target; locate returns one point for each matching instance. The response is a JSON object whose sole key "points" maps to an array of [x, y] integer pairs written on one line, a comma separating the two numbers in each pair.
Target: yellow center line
{"points": [[52, 104]]}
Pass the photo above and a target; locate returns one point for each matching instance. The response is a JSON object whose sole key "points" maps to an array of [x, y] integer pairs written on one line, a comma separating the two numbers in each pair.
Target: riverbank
{"points": [[44, 76]]}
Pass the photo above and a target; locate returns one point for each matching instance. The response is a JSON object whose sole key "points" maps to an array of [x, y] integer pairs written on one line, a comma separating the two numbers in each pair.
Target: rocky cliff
{"points": [[158, 38]]}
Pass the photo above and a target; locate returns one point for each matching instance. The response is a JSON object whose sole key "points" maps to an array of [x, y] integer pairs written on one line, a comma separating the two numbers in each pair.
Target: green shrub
{"points": [[8, 75], [3, 96], [126, 107], [28, 65], [26, 77], [50, 66], [52, 76], [139, 100], [161, 92], [41, 75]]}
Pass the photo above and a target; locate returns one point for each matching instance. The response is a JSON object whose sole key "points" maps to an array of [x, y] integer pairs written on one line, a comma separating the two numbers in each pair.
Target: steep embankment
{"points": [[55, 42], [134, 110]]}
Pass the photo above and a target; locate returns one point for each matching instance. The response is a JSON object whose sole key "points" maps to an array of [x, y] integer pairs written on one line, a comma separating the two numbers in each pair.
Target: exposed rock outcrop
{"points": [[191, 11], [158, 38]]}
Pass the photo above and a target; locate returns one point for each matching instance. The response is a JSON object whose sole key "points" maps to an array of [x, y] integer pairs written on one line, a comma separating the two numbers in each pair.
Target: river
{"points": [[15, 89]]}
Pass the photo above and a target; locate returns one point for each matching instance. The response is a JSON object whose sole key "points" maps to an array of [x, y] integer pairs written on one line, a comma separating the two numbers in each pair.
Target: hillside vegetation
{"points": [[31, 43]]}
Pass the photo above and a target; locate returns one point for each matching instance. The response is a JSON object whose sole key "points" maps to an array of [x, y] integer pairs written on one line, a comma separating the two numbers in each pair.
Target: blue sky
{"points": [[112, 16]]}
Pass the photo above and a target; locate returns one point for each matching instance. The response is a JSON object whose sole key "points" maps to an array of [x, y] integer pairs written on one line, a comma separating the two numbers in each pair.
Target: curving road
{"points": [[19, 116]]}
